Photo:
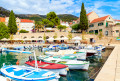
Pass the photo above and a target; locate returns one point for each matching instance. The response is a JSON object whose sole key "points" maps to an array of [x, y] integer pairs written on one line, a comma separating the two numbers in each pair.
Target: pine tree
{"points": [[83, 19], [12, 23]]}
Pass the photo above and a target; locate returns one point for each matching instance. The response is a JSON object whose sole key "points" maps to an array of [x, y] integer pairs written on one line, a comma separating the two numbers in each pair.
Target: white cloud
{"points": [[60, 6]]}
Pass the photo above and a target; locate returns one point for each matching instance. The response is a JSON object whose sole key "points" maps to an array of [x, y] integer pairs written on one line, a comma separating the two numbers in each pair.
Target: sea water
{"points": [[96, 62]]}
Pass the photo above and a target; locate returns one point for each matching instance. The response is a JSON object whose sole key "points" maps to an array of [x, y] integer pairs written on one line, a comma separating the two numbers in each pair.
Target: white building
{"points": [[117, 21], [64, 23], [26, 24]]}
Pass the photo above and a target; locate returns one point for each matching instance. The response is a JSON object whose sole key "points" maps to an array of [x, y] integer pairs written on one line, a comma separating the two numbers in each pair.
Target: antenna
{"points": [[36, 65]]}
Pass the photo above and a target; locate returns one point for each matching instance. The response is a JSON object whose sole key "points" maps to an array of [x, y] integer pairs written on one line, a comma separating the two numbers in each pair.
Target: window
{"points": [[100, 30], [117, 31], [91, 25], [100, 24], [106, 24], [91, 32]]}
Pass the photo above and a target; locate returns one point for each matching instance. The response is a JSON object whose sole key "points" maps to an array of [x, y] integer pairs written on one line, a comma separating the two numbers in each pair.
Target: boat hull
{"points": [[78, 66], [23, 73]]}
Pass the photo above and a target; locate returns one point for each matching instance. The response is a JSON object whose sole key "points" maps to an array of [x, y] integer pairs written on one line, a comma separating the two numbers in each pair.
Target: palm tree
{"points": [[38, 25]]}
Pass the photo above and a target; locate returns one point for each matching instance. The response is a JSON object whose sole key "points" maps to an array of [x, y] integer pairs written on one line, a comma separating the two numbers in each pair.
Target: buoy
{"points": [[17, 63], [67, 69]]}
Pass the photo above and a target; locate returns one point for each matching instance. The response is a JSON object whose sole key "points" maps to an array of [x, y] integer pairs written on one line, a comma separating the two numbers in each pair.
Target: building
{"points": [[24, 24], [117, 21], [2, 19], [64, 23], [106, 25]]}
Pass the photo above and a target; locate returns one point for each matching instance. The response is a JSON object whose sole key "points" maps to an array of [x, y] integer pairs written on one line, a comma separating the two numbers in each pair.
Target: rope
{"points": [[70, 76]]}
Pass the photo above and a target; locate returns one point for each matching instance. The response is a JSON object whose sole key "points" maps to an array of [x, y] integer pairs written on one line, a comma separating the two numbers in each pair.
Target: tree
{"points": [[75, 27], [83, 19], [50, 24], [55, 36], [51, 16], [4, 32], [12, 23], [44, 37], [69, 36], [100, 35], [45, 22], [23, 31], [60, 27], [39, 25]]}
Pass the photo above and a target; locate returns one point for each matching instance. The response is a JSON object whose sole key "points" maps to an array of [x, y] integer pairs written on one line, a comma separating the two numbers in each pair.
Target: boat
{"points": [[80, 55], [89, 52], [4, 78], [72, 64], [63, 47], [19, 51], [23, 73], [60, 68]]}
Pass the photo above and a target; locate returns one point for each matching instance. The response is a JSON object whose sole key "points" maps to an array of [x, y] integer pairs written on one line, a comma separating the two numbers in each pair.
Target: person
{"points": [[17, 63], [30, 58]]}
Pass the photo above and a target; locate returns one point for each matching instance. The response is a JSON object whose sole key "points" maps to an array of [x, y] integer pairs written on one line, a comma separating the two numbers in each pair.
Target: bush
{"points": [[75, 27], [23, 31]]}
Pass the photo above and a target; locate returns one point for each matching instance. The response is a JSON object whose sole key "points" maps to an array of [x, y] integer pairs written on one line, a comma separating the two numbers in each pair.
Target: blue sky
{"points": [[101, 7]]}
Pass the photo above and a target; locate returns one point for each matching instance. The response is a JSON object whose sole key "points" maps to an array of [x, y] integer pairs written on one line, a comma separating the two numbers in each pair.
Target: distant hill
{"points": [[65, 17]]}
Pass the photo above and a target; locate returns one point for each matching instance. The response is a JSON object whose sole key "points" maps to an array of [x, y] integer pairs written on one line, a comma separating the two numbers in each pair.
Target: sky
{"points": [[42, 7]]}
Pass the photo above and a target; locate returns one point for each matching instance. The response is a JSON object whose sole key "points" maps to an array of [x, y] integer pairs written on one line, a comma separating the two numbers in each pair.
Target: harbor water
{"points": [[96, 63]]}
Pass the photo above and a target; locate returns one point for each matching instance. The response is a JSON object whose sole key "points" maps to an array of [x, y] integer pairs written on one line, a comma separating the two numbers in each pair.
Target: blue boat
{"points": [[19, 51], [23, 73]]}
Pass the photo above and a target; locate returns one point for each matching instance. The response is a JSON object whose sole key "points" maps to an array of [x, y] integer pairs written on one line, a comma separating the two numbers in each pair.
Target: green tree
{"points": [[51, 16], [38, 25], [83, 19], [100, 35], [55, 36], [69, 36], [12, 23], [45, 22], [23, 31], [75, 27], [44, 37], [60, 27], [4, 32], [50, 24]]}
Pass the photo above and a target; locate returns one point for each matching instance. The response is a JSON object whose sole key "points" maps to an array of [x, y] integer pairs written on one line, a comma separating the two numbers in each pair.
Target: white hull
{"points": [[80, 56], [75, 66], [62, 72]]}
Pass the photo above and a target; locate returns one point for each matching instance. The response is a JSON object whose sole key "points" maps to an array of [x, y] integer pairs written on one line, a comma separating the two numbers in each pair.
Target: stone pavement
{"points": [[111, 69]]}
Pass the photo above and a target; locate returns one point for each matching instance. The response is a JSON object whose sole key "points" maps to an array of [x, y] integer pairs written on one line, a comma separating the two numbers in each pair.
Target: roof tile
{"points": [[99, 19]]}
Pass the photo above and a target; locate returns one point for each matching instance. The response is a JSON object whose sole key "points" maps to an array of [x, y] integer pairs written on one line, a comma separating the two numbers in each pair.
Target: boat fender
{"points": [[67, 69], [17, 63]]}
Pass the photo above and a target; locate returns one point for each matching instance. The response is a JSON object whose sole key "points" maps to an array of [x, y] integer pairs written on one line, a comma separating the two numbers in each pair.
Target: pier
{"points": [[111, 69]]}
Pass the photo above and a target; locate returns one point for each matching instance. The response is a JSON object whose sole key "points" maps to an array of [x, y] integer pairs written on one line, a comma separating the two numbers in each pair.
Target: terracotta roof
{"points": [[71, 23], [89, 13], [116, 20], [27, 20], [99, 19], [2, 19]]}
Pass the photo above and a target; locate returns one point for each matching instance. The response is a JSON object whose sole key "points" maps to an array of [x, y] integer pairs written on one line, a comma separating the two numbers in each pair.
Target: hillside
{"points": [[65, 17]]}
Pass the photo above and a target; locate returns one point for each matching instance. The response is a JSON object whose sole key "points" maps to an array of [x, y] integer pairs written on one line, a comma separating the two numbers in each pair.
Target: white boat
{"points": [[57, 68], [79, 55], [72, 64], [5, 78], [23, 73]]}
